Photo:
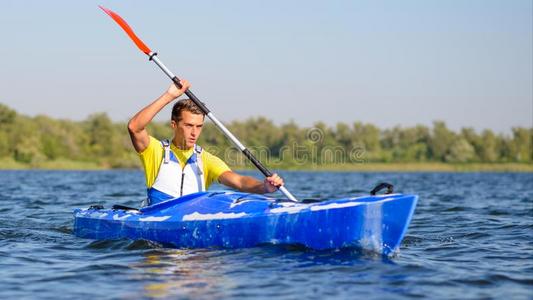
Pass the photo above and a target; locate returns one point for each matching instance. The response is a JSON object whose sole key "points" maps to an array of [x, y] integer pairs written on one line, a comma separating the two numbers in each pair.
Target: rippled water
{"points": [[471, 238]]}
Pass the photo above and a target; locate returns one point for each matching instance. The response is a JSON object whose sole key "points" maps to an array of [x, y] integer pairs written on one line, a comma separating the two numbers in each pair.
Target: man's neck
{"points": [[181, 146]]}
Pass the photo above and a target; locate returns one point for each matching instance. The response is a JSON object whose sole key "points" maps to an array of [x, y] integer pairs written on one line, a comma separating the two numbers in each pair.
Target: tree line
{"points": [[97, 139]]}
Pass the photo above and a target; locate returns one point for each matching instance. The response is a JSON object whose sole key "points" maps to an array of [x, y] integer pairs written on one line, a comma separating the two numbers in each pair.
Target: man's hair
{"points": [[187, 105]]}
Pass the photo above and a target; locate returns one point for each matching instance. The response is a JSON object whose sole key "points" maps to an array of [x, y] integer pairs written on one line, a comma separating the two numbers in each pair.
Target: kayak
{"points": [[230, 219]]}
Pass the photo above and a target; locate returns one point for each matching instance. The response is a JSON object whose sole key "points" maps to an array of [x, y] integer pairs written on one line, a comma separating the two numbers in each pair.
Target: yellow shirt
{"points": [[152, 156]]}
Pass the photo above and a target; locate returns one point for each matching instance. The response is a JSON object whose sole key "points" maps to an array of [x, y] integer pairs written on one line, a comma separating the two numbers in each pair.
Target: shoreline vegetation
{"points": [[11, 164], [97, 143]]}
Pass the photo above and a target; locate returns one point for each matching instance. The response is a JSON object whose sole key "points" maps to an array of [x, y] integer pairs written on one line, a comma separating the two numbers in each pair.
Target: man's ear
{"points": [[173, 124]]}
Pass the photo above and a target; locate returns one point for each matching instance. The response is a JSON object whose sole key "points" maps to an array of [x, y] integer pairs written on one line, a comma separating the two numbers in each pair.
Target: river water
{"points": [[471, 238]]}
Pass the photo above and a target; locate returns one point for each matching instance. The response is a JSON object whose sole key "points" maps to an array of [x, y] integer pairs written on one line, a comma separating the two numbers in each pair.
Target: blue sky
{"points": [[389, 63]]}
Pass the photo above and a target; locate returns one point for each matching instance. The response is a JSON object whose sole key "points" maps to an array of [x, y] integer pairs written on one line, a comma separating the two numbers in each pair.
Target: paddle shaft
{"points": [[211, 116]]}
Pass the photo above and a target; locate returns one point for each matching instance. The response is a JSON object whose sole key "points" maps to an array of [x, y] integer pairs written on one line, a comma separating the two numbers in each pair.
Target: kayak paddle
{"points": [[153, 57]]}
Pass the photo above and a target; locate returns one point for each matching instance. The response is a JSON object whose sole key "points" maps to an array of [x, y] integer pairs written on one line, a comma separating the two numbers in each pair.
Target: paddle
{"points": [[153, 57]]}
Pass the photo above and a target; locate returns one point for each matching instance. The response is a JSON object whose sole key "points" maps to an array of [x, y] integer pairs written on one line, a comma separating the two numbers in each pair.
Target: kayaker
{"points": [[180, 166]]}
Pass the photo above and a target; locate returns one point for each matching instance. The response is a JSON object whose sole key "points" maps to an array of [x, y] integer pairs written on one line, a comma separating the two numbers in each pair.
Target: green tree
{"points": [[7, 120], [441, 141], [521, 144], [7, 115], [25, 141], [489, 150], [100, 132], [366, 138], [475, 140], [460, 151], [407, 144]]}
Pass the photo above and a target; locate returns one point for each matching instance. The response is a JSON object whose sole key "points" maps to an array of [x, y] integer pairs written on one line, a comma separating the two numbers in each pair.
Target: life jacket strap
{"points": [[166, 146]]}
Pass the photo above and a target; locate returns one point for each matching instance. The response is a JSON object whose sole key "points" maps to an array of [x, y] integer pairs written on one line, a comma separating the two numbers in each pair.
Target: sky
{"points": [[389, 63]]}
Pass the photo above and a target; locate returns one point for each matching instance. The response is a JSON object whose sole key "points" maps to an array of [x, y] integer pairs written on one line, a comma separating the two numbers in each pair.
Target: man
{"points": [[180, 167]]}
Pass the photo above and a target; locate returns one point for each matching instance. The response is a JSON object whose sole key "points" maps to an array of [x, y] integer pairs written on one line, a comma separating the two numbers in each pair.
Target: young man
{"points": [[180, 167]]}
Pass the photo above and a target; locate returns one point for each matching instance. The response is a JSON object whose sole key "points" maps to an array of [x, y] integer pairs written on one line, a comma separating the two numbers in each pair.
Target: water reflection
{"points": [[223, 272], [177, 272]]}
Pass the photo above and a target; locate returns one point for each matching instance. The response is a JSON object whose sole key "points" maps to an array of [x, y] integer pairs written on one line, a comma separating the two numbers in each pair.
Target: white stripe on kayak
{"points": [[233, 204], [387, 195], [294, 207], [335, 205], [124, 217], [154, 219], [95, 215], [196, 216], [288, 209]]}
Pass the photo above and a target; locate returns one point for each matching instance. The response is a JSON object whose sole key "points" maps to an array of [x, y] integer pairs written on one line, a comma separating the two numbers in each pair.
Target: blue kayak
{"points": [[236, 220]]}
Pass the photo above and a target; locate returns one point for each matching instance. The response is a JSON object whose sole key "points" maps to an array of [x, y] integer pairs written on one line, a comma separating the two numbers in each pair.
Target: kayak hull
{"points": [[240, 220]]}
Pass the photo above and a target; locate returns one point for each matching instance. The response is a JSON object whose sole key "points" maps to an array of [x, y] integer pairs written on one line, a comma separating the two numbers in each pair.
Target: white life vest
{"points": [[172, 181]]}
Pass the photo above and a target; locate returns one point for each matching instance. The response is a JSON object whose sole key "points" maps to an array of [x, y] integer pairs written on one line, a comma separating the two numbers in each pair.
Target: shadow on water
{"points": [[295, 251], [122, 244]]}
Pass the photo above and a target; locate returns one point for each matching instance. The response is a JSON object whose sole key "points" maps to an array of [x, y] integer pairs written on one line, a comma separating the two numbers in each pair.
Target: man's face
{"points": [[188, 129]]}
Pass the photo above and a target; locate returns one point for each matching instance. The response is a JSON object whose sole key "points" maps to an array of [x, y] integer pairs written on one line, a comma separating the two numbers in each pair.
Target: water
{"points": [[471, 238]]}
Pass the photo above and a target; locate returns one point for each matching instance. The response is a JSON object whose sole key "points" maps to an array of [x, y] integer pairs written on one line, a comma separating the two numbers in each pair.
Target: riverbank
{"points": [[10, 164], [426, 167]]}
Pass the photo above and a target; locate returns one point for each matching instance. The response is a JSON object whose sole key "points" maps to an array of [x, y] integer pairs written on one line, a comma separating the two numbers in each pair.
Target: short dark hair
{"points": [[187, 105]]}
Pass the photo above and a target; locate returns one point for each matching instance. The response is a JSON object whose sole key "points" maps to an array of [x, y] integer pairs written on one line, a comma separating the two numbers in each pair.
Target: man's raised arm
{"points": [[137, 125]]}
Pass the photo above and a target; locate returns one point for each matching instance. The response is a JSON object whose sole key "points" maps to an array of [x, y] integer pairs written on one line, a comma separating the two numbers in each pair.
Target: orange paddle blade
{"points": [[128, 30]]}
